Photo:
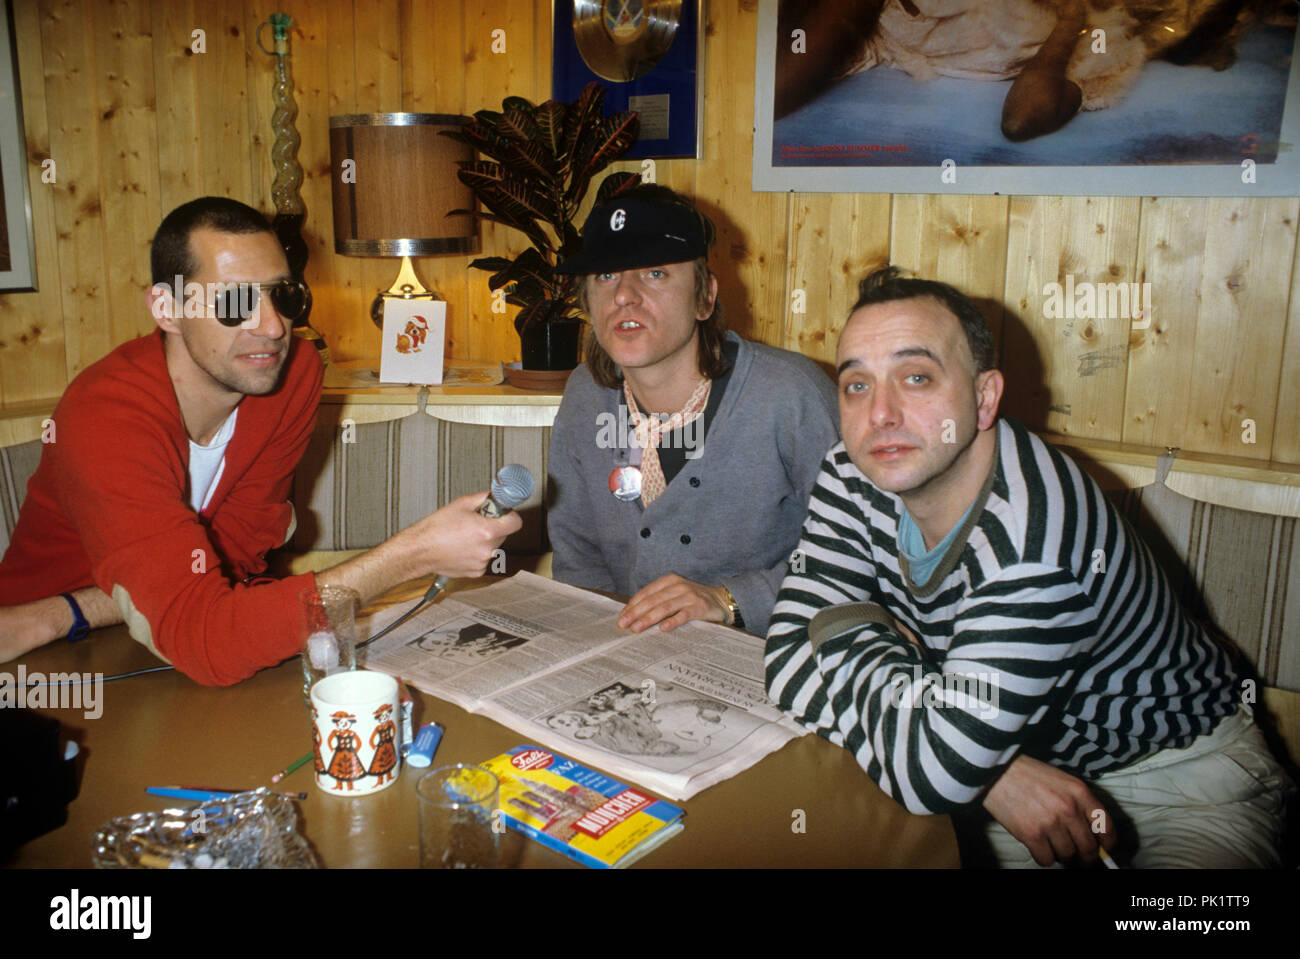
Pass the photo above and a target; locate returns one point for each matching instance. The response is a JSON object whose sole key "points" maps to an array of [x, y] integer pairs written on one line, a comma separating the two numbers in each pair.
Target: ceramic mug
{"points": [[355, 718]]}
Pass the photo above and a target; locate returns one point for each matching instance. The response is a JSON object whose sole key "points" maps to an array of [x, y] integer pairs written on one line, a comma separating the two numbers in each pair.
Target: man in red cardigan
{"points": [[168, 477]]}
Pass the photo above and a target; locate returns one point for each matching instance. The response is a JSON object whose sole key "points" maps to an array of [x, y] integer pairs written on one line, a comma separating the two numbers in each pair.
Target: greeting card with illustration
{"points": [[414, 333]]}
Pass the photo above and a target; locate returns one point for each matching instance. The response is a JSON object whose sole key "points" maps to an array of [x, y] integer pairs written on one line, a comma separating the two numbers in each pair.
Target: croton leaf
{"points": [[525, 292], [611, 138], [493, 263], [615, 184], [531, 230], [510, 217], [511, 197], [528, 268], [550, 117], [583, 112], [506, 192], [517, 119], [530, 159], [483, 139]]}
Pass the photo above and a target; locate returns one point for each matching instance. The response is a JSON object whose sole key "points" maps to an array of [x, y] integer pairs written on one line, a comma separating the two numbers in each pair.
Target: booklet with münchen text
{"points": [[586, 815]]}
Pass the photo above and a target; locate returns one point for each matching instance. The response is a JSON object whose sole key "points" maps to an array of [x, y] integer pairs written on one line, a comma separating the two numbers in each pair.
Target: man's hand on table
{"points": [[1050, 811], [671, 601], [31, 625]]}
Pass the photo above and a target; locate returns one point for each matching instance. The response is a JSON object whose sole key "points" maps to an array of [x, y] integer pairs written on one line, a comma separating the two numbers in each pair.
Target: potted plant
{"points": [[543, 159]]}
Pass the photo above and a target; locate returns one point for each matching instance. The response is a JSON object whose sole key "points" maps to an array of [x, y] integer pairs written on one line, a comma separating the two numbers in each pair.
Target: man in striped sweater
{"points": [[973, 620]]}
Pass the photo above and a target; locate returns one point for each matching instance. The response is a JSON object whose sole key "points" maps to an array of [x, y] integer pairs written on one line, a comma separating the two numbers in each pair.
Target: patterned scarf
{"points": [[649, 429]]}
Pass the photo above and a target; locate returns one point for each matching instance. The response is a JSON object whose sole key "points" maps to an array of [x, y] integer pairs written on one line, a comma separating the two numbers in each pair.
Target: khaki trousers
{"points": [[1219, 803]]}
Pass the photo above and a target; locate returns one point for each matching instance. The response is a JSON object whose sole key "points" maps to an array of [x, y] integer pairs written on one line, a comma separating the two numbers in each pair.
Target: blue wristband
{"points": [[80, 626]]}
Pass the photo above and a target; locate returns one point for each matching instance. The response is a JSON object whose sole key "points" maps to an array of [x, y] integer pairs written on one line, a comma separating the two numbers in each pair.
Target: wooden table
{"points": [[163, 729]]}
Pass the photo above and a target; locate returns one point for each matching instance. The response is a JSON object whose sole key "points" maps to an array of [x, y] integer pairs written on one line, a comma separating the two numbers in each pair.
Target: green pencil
{"points": [[299, 762]]}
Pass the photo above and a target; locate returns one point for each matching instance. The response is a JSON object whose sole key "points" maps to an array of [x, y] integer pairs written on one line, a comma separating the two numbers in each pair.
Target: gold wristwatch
{"points": [[732, 610]]}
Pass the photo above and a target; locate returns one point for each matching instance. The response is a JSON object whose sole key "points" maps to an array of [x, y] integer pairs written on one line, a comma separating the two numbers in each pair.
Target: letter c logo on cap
{"points": [[617, 219]]}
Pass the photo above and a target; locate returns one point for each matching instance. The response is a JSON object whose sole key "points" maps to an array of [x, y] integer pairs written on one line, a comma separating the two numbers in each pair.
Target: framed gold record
{"points": [[621, 40], [646, 53], [625, 20]]}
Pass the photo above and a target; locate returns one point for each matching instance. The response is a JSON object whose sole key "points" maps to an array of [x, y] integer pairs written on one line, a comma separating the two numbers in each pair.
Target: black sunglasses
{"points": [[236, 302]]}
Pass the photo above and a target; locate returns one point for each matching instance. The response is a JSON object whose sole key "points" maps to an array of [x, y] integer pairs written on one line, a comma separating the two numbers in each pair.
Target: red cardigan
{"points": [[108, 507]]}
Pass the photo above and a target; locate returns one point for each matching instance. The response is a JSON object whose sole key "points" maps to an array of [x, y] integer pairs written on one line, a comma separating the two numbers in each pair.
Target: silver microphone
{"points": [[513, 484]]}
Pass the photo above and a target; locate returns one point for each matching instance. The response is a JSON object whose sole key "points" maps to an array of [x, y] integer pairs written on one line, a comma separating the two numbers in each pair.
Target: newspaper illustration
{"points": [[673, 711]]}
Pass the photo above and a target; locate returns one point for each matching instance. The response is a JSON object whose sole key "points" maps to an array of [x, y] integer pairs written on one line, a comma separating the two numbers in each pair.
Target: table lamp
{"points": [[394, 181]]}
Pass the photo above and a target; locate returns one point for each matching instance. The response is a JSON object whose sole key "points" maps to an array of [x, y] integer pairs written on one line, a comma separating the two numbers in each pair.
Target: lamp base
{"points": [[407, 286]]}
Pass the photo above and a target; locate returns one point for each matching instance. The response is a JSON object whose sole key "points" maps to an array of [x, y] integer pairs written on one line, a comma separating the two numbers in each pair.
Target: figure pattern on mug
{"points": [[345, 766], [383, 742]]}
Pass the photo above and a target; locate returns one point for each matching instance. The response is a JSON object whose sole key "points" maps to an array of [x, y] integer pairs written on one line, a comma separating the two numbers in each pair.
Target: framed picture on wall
{"points": [[17, 241], [1165, 98], [646, 53]]}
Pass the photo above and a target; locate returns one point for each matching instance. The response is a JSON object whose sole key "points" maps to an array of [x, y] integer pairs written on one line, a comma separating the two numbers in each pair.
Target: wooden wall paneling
{"points": [[834, 242], [222, 76], [1171, 253], [350, 330], [1244, 290], [752, 227], [960, 240], [378, 49], [1066, 373], [542, 47], [176, 86], [334, 303], [1286, 429], [378, 90], [128, 157], [32, 347], [433, 81], [67, 36], [678, 175], [490, 77], [259, 73]]}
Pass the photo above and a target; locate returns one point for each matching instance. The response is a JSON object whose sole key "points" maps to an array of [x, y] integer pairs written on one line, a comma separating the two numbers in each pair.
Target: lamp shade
{"points": [[393, 197]]}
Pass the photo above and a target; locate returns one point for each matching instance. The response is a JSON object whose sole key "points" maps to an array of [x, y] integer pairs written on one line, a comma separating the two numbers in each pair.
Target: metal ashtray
{"points": [[250, 830]]}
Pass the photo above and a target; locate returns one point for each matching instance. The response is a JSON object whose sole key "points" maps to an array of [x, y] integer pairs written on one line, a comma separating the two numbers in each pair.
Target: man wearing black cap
{"points": [[682, 457]]}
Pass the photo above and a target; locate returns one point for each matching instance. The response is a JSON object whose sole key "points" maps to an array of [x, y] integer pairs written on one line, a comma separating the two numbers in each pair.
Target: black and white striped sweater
{"points": [[1047, 629]]}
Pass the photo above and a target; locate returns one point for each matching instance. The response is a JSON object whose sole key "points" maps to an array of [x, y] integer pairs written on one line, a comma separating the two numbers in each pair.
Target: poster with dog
{"points": [[1057, 97]]}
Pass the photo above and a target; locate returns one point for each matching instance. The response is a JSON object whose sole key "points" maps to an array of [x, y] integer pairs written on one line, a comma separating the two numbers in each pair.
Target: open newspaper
{"points": [[673, 711]]}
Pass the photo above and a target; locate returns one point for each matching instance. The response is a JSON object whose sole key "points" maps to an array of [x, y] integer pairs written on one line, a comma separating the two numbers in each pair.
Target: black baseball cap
{"points": [[630, 232]]}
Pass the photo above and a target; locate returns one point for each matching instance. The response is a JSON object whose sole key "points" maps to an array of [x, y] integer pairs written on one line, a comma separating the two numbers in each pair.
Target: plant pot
{"points": [[551, 346]]}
